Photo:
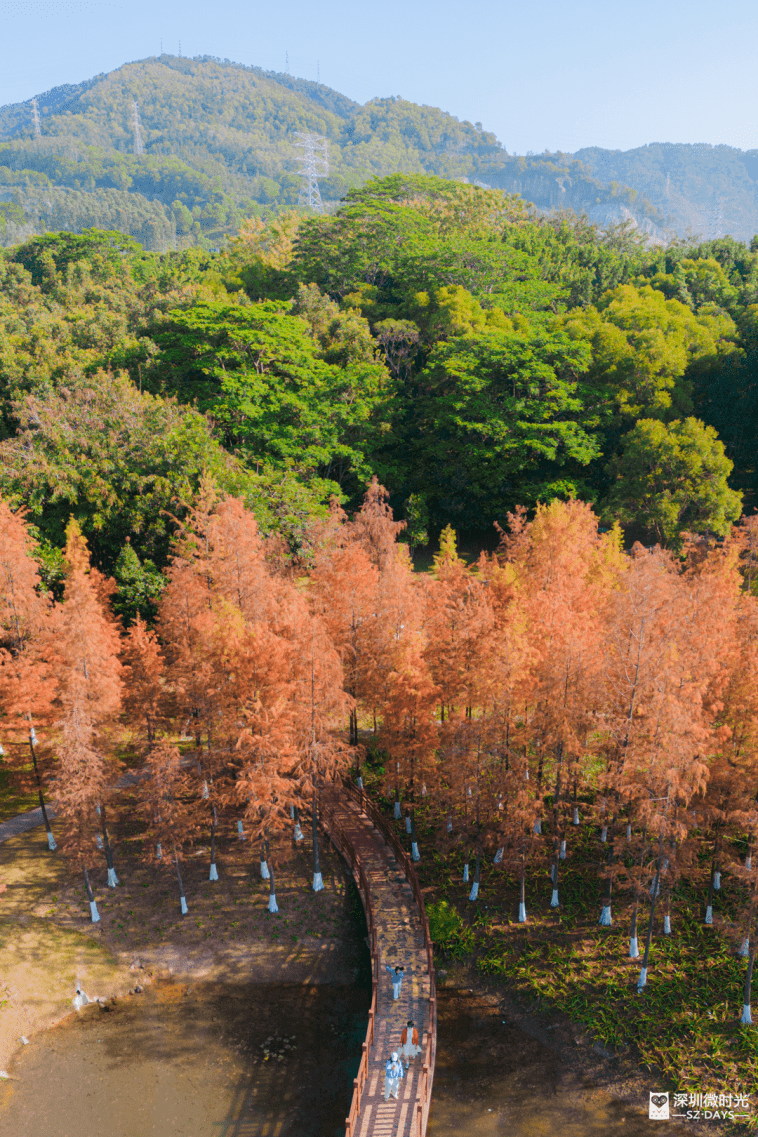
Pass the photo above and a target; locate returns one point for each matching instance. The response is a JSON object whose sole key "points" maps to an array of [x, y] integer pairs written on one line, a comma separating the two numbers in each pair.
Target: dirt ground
{"points": [[48, 944], [544, 1075]]}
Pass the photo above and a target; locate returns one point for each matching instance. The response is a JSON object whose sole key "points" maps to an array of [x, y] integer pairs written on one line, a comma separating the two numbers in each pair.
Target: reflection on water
{"points": [[491, 1078], [188, 1061]]}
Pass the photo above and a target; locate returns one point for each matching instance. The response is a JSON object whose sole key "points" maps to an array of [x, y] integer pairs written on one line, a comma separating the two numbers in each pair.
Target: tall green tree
{"points": [[672, 478]]}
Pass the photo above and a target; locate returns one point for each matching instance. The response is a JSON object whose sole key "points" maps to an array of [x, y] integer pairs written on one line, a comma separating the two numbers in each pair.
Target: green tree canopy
{"points": [[674, 477], [119, 461], [258, 370], [495, 418], [642, 345]]}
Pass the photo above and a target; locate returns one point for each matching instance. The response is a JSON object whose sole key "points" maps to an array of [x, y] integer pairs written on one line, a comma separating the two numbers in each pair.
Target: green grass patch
{"points": [[13, 800]]}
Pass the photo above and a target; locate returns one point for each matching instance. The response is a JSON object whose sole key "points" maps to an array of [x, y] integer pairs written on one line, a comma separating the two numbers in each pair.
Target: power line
{"points": [[35, 118], [315, 165], [138, 147]]}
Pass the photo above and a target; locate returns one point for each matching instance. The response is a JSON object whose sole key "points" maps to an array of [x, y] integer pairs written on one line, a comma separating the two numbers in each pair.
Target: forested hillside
{"points": [[435, 334], [218, 146]]}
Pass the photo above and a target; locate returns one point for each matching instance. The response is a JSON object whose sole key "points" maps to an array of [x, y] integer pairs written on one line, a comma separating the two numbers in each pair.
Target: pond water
{"points": [[493, 1079], [189, 1060]]}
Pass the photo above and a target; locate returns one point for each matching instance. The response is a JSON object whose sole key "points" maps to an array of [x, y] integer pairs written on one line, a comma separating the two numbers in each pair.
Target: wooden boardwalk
{"points": [[399, 935]]}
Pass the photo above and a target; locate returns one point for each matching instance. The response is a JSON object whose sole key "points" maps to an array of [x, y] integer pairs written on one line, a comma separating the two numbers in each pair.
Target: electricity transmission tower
{"points": [[716, 219], [35, 118], [138, 147], [315, 165]]}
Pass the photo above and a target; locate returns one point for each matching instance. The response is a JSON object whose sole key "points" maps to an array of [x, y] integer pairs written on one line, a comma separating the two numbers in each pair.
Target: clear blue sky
{"points": [[555, 74]]}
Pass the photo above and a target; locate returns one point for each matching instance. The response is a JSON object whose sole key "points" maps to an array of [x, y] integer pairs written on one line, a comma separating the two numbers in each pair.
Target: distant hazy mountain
{"points": [[702, 189], [217, 141]]}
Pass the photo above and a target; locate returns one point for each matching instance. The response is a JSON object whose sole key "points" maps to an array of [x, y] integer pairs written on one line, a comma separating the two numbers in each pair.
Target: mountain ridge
{"points": [[218, 147]]}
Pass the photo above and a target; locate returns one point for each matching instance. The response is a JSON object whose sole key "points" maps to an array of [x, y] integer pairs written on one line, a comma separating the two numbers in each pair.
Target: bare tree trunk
{"points": [[641, 982], [522, 893], [605, 916], [746, 1016], [318, 883], [713, 884], [50, 839], [474, 894], [634, 951], [112, 878], [182, 897], [558, 843], [213, 875], [272, 905], [264, 860], [91, 897], [415, 855]]}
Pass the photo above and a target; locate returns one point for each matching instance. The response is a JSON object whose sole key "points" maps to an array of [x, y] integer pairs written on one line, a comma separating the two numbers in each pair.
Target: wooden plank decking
{"points": [[399, 936]]}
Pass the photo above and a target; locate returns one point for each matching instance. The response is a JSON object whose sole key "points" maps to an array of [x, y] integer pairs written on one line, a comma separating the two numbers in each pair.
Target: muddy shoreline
{"points": [[575, 1066], [48, 943]]}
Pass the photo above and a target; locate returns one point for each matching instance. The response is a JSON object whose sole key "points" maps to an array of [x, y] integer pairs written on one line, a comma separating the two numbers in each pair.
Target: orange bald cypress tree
{"points": [[344, 585], [169, 809], [85, 653], [26, 682], [560, 590], [145, 696]]}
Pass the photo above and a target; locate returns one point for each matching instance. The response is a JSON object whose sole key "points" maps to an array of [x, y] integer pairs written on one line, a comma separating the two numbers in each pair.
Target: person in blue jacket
{"points": [[396, 976], [393, 1072]]}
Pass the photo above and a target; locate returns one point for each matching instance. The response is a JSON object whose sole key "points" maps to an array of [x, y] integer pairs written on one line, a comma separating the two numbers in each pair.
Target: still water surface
{"points": [[188, 1061]]}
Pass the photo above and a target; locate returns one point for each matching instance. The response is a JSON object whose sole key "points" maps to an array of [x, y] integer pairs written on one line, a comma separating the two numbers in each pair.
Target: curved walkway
{"points": [[399, 935]]}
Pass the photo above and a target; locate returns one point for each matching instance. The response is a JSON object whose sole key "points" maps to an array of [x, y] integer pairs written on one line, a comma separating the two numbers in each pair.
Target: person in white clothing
{"points": [[393, 1072], [409, 1040]]}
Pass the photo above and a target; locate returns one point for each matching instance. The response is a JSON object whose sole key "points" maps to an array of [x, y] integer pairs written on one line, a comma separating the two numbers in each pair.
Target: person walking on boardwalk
{"points": [[393, 1072], [409, 1040], [396, 976]]}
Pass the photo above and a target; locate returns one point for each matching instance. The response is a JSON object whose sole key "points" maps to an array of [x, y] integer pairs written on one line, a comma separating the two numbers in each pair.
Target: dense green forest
{"points": [[433, 333]]}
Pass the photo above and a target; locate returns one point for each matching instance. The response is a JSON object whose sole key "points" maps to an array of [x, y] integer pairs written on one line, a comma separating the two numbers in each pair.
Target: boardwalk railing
{"points": [[342, 842]]}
